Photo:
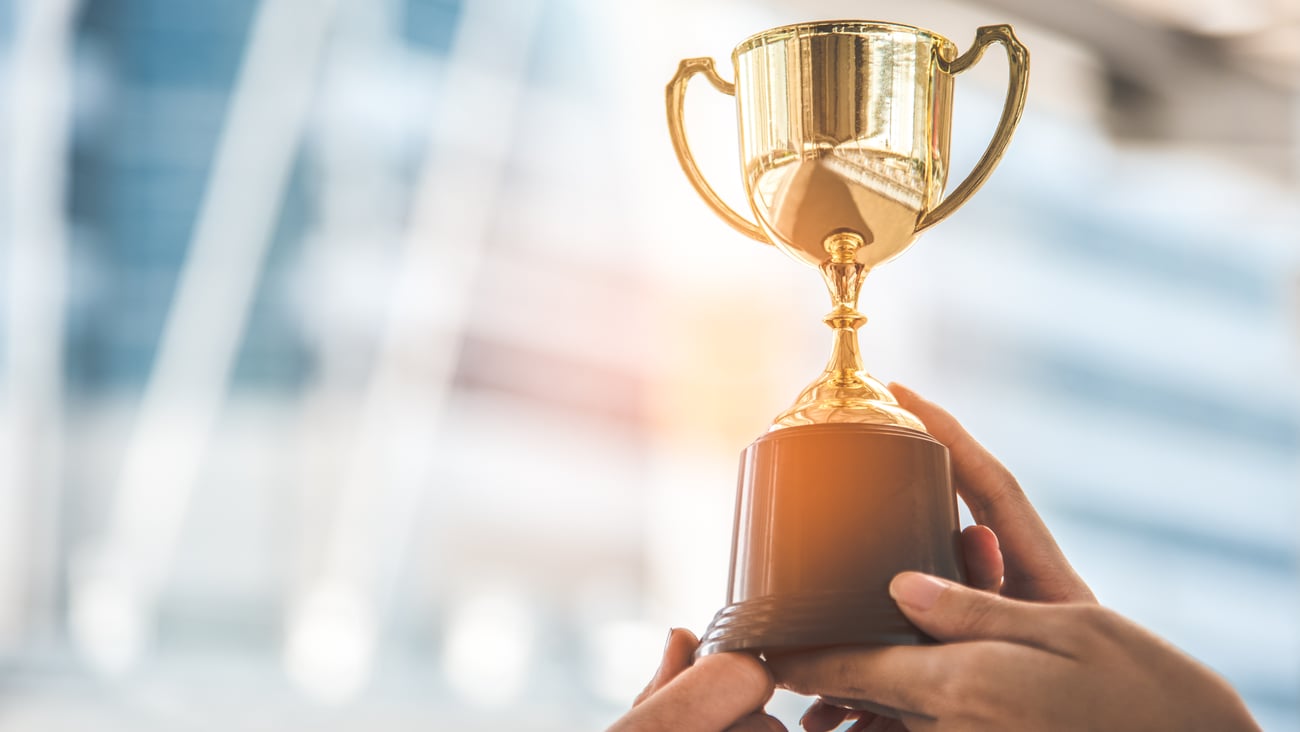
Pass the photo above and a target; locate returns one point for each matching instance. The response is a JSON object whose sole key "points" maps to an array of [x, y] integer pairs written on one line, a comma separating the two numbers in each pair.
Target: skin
{"points": [[725, 691], [1025, 647]]}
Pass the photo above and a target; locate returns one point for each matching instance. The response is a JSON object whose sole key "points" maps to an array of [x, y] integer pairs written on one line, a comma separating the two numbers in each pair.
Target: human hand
{"points": [[1033, 566], [984, 567], [1009, 551], [1017, 665], [1014, 665], [724, 691]]}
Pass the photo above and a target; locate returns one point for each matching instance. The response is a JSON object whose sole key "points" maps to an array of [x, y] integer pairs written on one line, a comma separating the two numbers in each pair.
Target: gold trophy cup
{"points": [[844, 132]]}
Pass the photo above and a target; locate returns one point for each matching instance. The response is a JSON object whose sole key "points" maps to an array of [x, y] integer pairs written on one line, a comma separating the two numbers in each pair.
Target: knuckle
{"points": [[1109, 623], [1082, 627], [1009, 490], [1095, 618], [977, 691], [980, 614], [960, 676], [848, 665], [953, 692], [1002, 490]]}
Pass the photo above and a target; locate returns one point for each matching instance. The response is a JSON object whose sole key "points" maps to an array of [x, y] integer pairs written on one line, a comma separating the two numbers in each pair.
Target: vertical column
{"points": [[34, 165]]}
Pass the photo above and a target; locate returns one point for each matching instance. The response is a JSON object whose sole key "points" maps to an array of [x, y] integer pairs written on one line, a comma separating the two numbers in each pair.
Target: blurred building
{"points": [[371, 363]]}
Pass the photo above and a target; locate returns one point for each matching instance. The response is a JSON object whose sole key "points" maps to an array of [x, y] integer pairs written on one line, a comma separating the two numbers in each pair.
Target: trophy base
{"points": [[826, 515]]}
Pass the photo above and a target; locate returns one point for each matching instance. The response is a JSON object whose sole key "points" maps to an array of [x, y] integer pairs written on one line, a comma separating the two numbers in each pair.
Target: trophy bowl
{"points": [[844, 128], [844, 142]]}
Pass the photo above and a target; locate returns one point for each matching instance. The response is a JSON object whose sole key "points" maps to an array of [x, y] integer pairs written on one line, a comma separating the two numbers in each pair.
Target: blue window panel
{"points": [[1156, 251], [7, 22], [176, 42], [430, 24]]}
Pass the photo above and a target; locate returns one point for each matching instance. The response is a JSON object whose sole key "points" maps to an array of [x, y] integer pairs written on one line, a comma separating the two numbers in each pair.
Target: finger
{"points": [[877, 724], [952, 612], [714, 693], [901, 677], [979, 547], [822, 717], [679, 649], [994, 496], [1035, 566], [934, 687], [758, 722]]}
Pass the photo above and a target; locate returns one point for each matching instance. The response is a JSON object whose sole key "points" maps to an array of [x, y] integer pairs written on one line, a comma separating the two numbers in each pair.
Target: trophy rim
{"points": [[848, 27]]}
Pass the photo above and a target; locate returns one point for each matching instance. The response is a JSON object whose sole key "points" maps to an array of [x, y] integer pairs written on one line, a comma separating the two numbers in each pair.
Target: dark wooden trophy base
{"points": [[826, 515]]}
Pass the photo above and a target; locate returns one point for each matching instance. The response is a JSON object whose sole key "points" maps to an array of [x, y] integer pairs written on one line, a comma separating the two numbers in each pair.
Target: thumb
{"points": [[711, 695], [952, 612]]}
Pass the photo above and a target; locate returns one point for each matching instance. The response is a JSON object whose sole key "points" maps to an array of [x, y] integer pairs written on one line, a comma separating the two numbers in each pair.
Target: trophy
{"points": [[844, 136]]}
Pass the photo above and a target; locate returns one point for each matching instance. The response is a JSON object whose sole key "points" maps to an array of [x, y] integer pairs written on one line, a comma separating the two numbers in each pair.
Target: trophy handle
{"points": [[676, 94], [1018, 65]]}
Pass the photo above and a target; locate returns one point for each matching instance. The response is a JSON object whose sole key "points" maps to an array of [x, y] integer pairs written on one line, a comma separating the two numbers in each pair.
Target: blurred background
{"points": [[371, 364]]}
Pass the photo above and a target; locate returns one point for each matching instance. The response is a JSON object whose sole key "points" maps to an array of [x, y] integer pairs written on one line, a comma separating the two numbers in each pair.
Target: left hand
{"points": [[722, 692]]}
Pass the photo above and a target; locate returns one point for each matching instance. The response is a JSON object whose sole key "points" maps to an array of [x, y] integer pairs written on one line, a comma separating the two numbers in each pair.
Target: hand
{"points": [[1009, 551], [1016, 665], [1035, 568], [721, 692]]}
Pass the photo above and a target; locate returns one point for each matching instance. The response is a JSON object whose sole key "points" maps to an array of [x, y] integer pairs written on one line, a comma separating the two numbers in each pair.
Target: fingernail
{"points": [[663, 657], [920, 591]]}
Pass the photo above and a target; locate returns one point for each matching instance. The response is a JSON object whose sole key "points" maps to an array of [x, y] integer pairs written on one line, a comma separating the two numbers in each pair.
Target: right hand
{"points": [[1058, 662], [1008, 551], [1034, 566], [1007, 665]]}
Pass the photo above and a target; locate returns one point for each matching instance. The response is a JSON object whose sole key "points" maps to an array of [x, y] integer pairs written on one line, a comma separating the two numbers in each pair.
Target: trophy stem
{"points": [[845, 392], [844, 277]]}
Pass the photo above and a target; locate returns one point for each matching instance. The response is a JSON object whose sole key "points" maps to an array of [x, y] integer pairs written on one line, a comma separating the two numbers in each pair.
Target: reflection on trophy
{"points": [[844, 132]]}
